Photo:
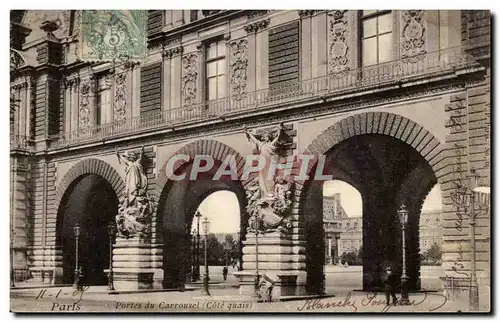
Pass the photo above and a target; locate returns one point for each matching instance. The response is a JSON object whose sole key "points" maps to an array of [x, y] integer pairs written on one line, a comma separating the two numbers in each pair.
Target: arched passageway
{"points": [[177, 207], [387, 172], [91, 202]]}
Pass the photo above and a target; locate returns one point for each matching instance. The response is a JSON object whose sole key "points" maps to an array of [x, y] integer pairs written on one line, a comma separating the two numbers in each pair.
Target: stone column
{"points": [[176, 78], [75, 97], [28, 107], [166, 90], [306, 39], [252, 60], [319, 45]]}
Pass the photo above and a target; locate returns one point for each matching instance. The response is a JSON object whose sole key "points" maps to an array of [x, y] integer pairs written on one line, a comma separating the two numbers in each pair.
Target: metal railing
{"points": [[365, 78]]}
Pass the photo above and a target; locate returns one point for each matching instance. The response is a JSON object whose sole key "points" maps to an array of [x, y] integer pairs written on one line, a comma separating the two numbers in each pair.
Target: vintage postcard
{"points": [[299, 161]]}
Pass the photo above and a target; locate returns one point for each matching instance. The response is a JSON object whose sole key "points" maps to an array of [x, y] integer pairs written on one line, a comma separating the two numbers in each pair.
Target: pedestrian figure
{"points": [[224, 273], [79, 281], [390, 282]]}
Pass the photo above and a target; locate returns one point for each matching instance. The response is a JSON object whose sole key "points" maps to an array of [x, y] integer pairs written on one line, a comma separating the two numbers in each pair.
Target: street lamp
{"points": [[197, 270], [205, 291], [111, 233], [77, 234], [193, 255], [403, 218], [473, 178]]}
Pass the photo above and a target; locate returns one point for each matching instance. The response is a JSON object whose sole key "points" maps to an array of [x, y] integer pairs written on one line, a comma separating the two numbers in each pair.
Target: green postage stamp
{"points": [[113, 35]]}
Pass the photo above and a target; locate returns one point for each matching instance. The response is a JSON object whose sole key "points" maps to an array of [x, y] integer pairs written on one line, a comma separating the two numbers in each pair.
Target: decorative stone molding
{"points": [[171, 52], [84, 119], [257, 13], [20, 86], [16, 60], [239, 65], [189, 78], [413, 34], [120, 112], [130, 65], [256, 26], [306, 13], [338, 49]]}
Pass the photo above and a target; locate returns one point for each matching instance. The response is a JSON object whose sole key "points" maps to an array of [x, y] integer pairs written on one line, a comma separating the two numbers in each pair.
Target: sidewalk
{"points": [[223, 300]]}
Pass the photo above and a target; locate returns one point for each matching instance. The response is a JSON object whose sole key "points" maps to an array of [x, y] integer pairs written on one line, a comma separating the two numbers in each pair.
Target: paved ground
{"points": [[340, 283]]}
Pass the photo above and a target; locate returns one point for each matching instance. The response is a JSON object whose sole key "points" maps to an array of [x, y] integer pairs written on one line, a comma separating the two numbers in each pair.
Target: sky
{"points": [[223, 211]]}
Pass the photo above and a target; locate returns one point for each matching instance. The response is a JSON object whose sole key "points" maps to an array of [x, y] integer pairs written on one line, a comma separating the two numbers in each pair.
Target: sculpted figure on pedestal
{"points": [[135, 206], [269, 196]]}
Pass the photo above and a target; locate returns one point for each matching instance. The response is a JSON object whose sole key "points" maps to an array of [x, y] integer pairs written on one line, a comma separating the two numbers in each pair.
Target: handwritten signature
{"points": [[435, 300]]}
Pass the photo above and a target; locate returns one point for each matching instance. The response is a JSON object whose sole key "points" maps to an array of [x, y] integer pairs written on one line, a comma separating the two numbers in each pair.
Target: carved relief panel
{"points": [[338, 41], [189, 78], [85, 104], [239, 66], [120, 97], [413, 32]]}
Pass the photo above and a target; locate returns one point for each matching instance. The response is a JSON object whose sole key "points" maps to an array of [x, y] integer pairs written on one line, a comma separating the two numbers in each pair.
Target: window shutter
{"points": [[155, 21], [284, 55], [151, 88]]}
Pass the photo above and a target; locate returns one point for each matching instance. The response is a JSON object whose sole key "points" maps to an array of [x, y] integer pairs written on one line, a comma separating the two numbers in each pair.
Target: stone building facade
{"points": [[346, 84], [344, 233]]}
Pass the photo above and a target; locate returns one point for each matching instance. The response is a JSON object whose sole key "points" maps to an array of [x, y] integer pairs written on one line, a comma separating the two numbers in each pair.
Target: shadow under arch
{"points": [[378, 153], [88, 195], [179, 199]]}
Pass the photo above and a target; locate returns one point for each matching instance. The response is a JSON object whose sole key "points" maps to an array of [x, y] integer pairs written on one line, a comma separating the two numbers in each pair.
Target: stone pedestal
{"points": [[136, 264], [277, 259]]}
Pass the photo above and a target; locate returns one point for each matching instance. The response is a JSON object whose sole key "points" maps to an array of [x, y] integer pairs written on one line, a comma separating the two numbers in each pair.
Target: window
{"points": [[103, 106], [216, 84], [376, 37]]}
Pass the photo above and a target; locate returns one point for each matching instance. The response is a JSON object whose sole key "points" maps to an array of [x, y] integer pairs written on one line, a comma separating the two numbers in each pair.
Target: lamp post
{"points": [[205, 291], [197, 270], [473, 290], [111, 233], [193, 255], [403, 218], [77, 235]]}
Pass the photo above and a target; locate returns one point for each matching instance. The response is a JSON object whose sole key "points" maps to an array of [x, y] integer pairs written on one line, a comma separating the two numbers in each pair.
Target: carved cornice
{"points": [[20, 86], [172, 52], [130, 65], [256, 26], [257, 13], [307, 13]]}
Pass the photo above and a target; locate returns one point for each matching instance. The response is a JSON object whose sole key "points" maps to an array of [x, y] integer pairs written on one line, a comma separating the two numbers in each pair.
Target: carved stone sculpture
{"points": [[239, 66], [337, 38], [189, 77], [136, 208], [413, 34], [269, 200], [120, 111], [84, 109]]}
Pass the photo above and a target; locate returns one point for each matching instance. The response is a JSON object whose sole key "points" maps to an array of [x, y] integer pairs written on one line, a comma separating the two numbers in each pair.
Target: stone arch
{"points": [[423, 143], [394, 125], [89, 166], [213, 148], [179, 199]]}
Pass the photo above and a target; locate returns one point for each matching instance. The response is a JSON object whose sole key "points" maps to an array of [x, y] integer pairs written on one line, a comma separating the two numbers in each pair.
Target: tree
{"points": [[215, 250], [433, 255], [349, 257]]}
